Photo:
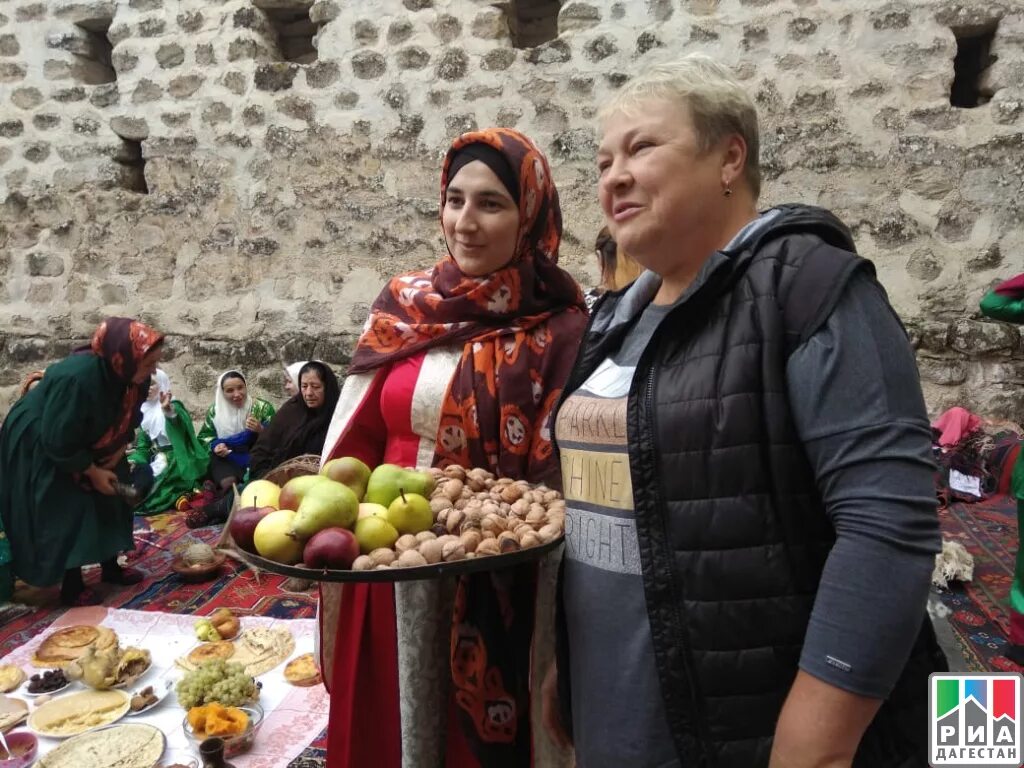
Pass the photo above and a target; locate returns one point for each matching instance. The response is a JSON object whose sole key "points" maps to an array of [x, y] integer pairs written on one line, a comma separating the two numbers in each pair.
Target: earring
{"points": [[727, 191]]}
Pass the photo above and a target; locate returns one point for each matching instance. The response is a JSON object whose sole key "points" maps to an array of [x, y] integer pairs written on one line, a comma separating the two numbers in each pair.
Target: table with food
{"points": [[107, 688]]}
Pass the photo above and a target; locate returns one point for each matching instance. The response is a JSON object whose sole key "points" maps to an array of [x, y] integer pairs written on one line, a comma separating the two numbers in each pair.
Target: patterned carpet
{"points": [[979, 609], [164, 591]]}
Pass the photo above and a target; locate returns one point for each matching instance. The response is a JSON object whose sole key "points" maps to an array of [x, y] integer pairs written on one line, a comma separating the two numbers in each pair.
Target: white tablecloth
{"points": [[294, 717]]}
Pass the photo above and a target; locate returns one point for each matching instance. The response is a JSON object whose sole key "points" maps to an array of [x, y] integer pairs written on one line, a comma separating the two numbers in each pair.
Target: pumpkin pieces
{"points": [[216, 720]]}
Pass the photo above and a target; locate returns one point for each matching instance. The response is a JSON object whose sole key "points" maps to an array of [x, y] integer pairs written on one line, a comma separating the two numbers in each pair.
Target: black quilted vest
{"points": [[732, 532]]}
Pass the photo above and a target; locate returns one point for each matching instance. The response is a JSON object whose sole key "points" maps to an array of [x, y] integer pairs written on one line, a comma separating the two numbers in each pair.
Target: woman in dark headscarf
{"points": [[460, 363], [62, 451], [300, 426]]}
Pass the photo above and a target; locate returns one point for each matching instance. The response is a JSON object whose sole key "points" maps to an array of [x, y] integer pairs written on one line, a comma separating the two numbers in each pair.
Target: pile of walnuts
{"points": [[475, 515]]}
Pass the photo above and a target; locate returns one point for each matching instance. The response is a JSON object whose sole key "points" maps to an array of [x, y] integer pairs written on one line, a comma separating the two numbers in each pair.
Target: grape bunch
{"points": [[219, 681]]}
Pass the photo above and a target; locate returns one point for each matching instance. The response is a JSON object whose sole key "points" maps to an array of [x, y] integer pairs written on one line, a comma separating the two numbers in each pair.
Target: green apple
{"points": [[273, 539], [373, 533], [410, 513], [349, 471], [369, 509], [388, 481], [294, 491], [326, 505]]}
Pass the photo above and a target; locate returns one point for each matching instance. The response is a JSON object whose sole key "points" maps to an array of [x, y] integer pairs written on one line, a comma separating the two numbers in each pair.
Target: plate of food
{"points": [[131, 745], [47, 683], [12, 712], [76, 713], [257, 649], [63, 646], [145, 699]]}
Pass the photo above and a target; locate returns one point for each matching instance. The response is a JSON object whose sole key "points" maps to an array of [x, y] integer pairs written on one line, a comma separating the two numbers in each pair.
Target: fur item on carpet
{"points": [[954, 563]]}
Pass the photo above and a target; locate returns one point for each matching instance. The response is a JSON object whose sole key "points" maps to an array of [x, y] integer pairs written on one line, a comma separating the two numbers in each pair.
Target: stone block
{"points": [[205, 55], [185, 85], [235, 82], [989, 258], [346, 99], [9, 129], [9, 45], [498, 59], [945, 371], [648, 41], [216, 113], [600, 48], [30, 12], [575, 16], [297, 108], [452, 65], [924, 266], [396, 97], [105, 95], [660, 10], [11, 72], [277, 76], [456, 125], [170, 55], [146, 91], [412, 57], [68, 95], [553, 52], [368, 65], [801, 28], [84, 125], [890, 16], [27, 97], [45, 122], [418, 5], [45, 265], [153, 26], [190, 21], [323, 11], [365, 32], [446, 27], [399, 31], [113, 294], [980, 338], [490, 24], [176, 119], [124, 60]]}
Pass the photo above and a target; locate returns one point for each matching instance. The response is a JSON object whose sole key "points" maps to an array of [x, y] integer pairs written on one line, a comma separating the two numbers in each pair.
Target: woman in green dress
{"points": [[168, 459], [1006, 302], [233, 424], [62, 451]]}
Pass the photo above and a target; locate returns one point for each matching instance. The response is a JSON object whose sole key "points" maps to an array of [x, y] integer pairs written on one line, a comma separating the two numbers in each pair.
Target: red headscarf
{"points": [[521, 326], [123, 343]]}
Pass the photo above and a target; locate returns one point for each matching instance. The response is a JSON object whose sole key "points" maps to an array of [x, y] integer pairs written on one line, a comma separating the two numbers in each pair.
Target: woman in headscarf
{"points": [[291, 378], [233, 424], [168, 459], [300, 427], [30, 382], [62, 451], [459, 363]]}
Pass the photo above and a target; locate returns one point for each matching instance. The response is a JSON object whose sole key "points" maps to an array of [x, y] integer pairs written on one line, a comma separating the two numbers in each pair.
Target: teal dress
{"points": [[51, 522], [187, 462], [1007, 304]]}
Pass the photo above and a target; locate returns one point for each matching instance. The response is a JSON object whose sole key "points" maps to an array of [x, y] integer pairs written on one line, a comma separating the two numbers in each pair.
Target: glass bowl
{"points": [[179, 757], [233, 745], [24, 747]]}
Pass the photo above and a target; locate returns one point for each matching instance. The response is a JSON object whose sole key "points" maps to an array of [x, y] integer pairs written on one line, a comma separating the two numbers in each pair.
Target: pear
{"points": [[294, 491], [327, 504], [389, 480], [368, 509], [373, 533], [410, 513], [349, 471]]}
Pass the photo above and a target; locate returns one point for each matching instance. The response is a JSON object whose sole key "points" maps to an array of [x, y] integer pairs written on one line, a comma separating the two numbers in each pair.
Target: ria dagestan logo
{"points": [[975, 720]]}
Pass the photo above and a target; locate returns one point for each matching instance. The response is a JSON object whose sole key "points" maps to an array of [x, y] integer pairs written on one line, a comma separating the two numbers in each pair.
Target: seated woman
{"points": [[61, 456], [233, 424], [168, 459], [301, 425], [291, 378]]}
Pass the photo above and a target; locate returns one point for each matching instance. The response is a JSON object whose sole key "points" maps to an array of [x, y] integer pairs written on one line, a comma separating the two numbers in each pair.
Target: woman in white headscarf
{"points": [[168, 459], [233, 423], [291, 378]]}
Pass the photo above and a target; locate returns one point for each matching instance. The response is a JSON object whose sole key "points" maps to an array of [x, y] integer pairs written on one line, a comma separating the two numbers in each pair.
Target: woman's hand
{"points": [[165, 403], [550, 711], [221, 450], [103, 480], [253, 424]]}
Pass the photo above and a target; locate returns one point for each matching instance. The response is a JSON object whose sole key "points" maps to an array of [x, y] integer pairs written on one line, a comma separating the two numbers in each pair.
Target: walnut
{"points": [[511, 493], [454, 521], [425, 536], [453, 551], [362, 563], [410, 559], [551, 496], [454, 470], [439, 504], [529, 539], [488, 547], [432, 550], [405, 543], [508, 542], [536, 517], [453, 490], [493, 523], [520, 507], [549, 533], [383, 556]]}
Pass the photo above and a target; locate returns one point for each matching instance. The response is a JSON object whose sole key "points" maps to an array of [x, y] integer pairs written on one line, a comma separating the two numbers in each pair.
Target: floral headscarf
{"points": [[520, 326], [123, 343]]}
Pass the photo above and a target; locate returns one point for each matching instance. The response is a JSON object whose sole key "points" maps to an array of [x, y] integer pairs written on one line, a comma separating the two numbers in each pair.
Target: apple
{"points": [[389, 480], [410, 513], [326, 505], [331, 548], [295, 490], [243, 525], [369, 509], [350, 471], [262, 493], [373, 533], [273, 540]]}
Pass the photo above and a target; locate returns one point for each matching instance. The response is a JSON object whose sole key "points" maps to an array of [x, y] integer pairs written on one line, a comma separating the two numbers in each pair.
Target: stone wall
{"points": [[245, 174]]}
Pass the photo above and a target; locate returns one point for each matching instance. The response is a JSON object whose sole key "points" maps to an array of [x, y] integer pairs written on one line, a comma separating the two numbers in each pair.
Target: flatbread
{"points": [[69, 644], [260, 649], [222, 649], [11, 676], [79, 712], [302, 671], [12, 712], [134, 745]]}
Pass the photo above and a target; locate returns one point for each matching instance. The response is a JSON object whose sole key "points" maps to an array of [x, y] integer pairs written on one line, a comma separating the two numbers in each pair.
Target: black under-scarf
{"points": [[493, 159]]}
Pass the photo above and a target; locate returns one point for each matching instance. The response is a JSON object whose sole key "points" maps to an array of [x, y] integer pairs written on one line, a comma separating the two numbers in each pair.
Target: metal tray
{"points": [[388, 575]]}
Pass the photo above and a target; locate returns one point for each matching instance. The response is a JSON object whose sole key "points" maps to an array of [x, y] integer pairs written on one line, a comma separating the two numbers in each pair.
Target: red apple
{"points": [[243, 525], [331, 548]]}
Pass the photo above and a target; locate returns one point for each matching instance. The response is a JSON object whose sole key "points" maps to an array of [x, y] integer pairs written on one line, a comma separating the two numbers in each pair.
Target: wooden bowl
{"points": [[196, 573]]}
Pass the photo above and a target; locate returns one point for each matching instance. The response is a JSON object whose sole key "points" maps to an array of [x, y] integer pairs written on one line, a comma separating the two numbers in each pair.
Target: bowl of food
{"points": [[198, 562], [226, 723], [23, 747], [179, 758]]}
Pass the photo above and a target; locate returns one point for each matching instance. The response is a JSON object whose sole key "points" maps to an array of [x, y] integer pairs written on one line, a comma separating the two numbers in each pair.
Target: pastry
{"points": [[302, 671], [223, 649], [11, 677]]}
